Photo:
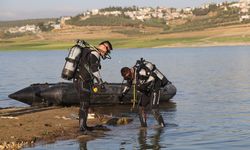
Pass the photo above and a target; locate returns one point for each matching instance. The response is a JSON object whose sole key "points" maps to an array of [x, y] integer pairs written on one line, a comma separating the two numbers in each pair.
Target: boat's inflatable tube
{"points": [[65, 94]]}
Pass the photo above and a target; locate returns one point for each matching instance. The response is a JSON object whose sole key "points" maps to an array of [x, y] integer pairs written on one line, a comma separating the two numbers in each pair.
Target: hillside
{"points": [[6, 24], [133, 27], [130, 37]]}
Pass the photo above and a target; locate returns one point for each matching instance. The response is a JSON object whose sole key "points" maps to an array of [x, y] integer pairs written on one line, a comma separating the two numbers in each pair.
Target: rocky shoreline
{"points": [[48, 126]]}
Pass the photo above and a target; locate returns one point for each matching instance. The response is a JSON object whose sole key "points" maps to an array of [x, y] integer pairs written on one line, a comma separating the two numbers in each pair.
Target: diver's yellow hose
{"points": [[134, 88], [134, 96]]}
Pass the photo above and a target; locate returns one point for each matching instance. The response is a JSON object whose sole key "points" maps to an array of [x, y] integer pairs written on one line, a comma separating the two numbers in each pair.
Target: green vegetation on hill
{"points": [[122, 9], [117, 43], [154, 22], [220, 18], [98, 20], [24, 22], [8, 35], [205, 11]]}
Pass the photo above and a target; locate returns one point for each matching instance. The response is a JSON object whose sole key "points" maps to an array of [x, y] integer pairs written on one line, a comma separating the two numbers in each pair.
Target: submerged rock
{"points": [[119, 121]]}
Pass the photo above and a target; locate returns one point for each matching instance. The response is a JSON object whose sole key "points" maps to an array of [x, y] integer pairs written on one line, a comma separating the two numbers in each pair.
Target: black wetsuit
{"points": [[149, 83], [88, 69]]}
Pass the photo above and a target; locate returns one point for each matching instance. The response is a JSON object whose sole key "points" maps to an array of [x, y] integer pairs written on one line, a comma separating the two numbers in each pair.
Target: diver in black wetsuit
{"points": [[87, 71], [148, 80]]}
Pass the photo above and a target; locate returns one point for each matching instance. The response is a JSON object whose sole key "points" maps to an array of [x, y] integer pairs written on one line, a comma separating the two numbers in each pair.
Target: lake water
{"points": [[211, 109]]}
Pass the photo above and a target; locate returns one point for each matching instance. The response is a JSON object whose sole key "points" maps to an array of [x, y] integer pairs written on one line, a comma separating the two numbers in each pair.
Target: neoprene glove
{"points": [[121, 97], [102, 87]]}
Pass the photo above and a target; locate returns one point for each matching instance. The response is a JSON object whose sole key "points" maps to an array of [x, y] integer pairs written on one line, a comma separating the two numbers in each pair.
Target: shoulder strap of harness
{"points": [[142, 64]]}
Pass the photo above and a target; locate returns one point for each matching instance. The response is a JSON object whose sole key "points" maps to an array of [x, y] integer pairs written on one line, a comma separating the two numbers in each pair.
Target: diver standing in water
{"points": [[83, 65], [148, 80]]}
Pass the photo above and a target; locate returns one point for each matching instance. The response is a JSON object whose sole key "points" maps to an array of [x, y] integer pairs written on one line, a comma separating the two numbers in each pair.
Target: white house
{"points": [[95, 11]]}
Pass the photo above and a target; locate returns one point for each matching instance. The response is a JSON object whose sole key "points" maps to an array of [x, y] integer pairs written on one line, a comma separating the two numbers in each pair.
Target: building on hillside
{"points": [[12, 30], [244, 17], [62, 21], [107, 13], [244, 6], [205, 6], [56, 26], [27, 28], [235, 5], [130, 14], [94, 11], [187, 10]]}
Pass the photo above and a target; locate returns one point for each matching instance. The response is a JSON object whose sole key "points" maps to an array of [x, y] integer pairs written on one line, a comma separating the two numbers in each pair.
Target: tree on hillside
{"points": [[212, 7], [45, 27], [122, 9], [200, 11]]}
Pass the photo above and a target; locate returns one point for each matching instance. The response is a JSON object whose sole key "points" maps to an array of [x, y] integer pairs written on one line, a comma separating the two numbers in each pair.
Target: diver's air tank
{"points": [[72, 60], [154, 69]]}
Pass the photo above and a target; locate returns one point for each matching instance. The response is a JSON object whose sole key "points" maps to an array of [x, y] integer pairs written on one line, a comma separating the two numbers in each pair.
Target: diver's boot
{"points": [[83, 129], [142, 117], [161, 121], [83, 116], [158, 117]]}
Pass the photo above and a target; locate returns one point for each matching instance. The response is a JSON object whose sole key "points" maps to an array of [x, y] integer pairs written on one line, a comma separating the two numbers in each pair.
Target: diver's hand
{"points": [[121, 97], [99, 88], [102, 87]]}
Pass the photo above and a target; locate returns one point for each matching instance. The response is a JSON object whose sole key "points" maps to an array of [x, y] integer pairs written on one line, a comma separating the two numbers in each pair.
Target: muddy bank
{"points": [[48, 125]]}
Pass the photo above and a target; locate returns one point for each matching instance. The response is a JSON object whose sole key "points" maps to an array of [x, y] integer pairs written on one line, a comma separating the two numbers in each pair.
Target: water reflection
{"points": [[150, 141], [120, 110], [132, 136], [83, 145]]}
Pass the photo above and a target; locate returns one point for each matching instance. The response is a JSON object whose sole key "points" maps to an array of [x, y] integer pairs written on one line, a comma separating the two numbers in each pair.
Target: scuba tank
{"points": [[151, 68], [72, 60], [164, 80]]}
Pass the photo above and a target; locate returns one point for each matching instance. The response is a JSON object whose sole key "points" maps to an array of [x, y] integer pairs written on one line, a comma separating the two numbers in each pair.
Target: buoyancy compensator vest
{"points": [[73, 59], [151, 70]]}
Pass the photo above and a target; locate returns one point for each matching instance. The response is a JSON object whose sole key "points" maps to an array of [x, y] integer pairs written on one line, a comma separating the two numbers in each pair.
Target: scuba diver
{"points": [[83, 65], [148, 80]]}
